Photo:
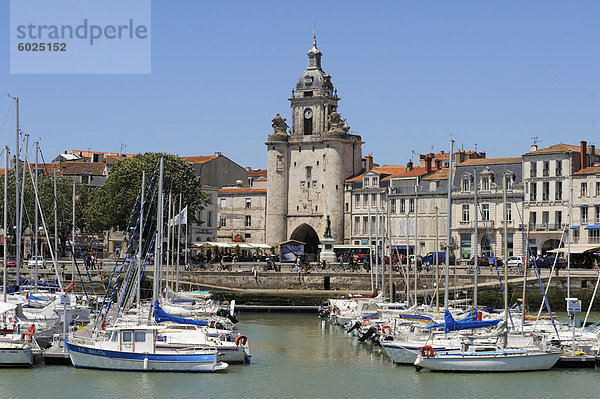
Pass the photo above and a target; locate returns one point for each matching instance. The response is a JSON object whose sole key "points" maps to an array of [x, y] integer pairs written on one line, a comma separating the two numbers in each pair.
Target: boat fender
{"points": [[241, 340], [24, 337], [336, 310], [427, 351], [145, 363], [386, 329], [366, 322], [32, 329], [534, 336]]}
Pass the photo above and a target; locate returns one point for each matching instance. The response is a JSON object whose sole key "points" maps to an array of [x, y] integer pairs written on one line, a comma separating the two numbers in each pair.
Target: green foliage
{"points": [[237, 250], [111, 205]]}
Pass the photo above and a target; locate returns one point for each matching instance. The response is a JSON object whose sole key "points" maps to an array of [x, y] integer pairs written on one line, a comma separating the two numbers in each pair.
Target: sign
{"points": [[65, 300], [573, 305], [363, 242]]}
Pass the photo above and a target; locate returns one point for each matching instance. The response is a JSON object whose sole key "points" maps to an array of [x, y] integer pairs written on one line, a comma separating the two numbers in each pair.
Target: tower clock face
{"points": [[308, 113]]}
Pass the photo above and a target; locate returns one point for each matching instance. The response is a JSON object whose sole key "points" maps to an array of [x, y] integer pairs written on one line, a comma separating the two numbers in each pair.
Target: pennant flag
{"points": [[181, 218]]}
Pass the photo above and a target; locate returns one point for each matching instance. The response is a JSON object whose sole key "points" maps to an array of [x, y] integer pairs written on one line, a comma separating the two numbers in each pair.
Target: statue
{"points": [[327, 233], [279, 125], [336, 123]]}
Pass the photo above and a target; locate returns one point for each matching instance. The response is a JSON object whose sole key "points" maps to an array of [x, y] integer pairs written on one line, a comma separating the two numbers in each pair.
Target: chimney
{"points": [[409, 166], [583, 157], [533, 147], [218, 154], [368, 162], [428, 164], [592, 153], [438, 164]]}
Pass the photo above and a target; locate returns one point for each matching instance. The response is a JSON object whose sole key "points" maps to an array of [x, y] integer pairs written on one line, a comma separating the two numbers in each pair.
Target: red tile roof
{"points": [[490, 161], [200, 159], [440, 174], [393, 171], [242, 190], [555, 148], [257, 172], [590, 170], [78, 168]]}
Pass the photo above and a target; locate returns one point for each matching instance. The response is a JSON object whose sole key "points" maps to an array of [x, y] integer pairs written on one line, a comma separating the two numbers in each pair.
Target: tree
{"points": [[112, 205]]}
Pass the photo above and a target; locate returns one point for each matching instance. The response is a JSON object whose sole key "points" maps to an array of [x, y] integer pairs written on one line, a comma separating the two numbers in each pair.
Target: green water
{"points": [[298, 356]]}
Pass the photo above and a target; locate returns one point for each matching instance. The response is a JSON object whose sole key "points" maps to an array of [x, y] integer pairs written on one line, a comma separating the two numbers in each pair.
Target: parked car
{"points": [[36, 259], [515, 261], [441, 257], [481, 261], [11, 260], [548, 261]]}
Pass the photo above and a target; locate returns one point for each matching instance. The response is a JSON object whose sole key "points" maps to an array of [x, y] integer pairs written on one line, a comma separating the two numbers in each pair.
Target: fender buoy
{"points": [[534, 336], [336, 310], [366, 322], [427, 351], [241, 340], [386, 329], [24, 337], [32, 329]]}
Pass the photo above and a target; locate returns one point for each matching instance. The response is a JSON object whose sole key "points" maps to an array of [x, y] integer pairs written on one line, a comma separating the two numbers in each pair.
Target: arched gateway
{"points": [[306, 234]]}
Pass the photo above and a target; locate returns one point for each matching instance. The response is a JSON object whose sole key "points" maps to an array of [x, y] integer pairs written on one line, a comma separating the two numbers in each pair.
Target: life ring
{"points": [[427, 351], [32, 329], [366, 322], [386, 329], [241, 339], [24, 337], [336, 310]]}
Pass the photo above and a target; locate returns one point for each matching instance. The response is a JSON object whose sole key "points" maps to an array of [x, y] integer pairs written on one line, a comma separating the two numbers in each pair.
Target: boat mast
{"points": [[178, 246], [73, 236], [370, 247], [4, 276], [140, 247], [36, 224], [389, 236], [407, 256], [505, 250], [169, 250], [55, 260], [475, 257], [416, 246], [449, 222], [437, 263], [17, 224], [158, 247]]}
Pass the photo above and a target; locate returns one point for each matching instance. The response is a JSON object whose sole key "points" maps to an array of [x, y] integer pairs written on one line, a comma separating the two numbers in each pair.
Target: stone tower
{"points": [[307, 166]]}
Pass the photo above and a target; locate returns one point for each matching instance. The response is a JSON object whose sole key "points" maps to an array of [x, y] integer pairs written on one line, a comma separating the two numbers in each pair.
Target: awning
{"points": [[592, 227], [400, 246], [261, 246], [577, 249], [574, 227]]}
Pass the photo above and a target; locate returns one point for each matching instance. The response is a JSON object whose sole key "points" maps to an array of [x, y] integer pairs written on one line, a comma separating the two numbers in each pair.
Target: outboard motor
{"points": [[354, 327], [368, 334]]}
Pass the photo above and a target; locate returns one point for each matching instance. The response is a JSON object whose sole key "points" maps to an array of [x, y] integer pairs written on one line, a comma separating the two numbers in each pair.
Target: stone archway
{"points": [[306, 234], [550, 244]]}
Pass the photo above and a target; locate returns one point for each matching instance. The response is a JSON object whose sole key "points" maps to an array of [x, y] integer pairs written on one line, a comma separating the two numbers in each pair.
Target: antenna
{"points": [[536, 140]]}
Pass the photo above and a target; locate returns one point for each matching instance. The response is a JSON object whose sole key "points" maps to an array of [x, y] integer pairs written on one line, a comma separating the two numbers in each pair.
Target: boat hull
{"points": [[89, 357], [15, 355], [404, 353], [489, 361]]}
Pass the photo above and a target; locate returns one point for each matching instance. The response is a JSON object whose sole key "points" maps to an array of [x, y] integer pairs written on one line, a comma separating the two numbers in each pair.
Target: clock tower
{"points": [[307, 165]]}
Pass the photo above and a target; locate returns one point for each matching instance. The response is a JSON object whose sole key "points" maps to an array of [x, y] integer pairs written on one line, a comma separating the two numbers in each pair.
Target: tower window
{"points": [[308, 126], [308, 94]]}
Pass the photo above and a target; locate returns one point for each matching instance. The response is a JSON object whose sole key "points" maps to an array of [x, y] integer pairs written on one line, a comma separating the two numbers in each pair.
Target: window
{"points": [[209, 219], [546, 170], [127, 336], [584, 214], [411, 205], [533, 219], [545, 191], [382, 200], [558, 219], [575, 235], [280, 163], [393, 205], [402, 205], [366, 181], [597, 216], [248, 203], [509, 212], [532, 191], [485, 183], [308, 173], [509, 243], [248, 220], [558, 191], [140, 336], [374, 200], [594, 236], [223, 221], [466, 184], [247, 236], [357, 201], [465, 246], [308, 122], [356, 225], [223, 203], [347, 207], [374, 179], [584, 191], [598, 188], [532, 169], [365, 225], [365, 200], [465, 213], [485, 211], [558, 168], [545, 219], [509, 181]]}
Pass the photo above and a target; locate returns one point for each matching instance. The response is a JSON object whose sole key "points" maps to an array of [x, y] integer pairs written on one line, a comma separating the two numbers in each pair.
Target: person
{"points": [[323, 264], [255, 274]]}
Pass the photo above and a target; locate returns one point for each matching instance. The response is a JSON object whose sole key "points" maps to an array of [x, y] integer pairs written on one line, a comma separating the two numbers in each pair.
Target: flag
{"points": [[180, 218]]}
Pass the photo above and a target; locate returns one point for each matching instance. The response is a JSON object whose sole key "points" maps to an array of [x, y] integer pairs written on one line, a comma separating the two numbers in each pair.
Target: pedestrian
{"points": [[323, 264], [255, 274]]}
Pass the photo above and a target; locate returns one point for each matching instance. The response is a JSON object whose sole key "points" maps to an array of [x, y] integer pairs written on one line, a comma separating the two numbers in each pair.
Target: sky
{"points": [[411, 75]]}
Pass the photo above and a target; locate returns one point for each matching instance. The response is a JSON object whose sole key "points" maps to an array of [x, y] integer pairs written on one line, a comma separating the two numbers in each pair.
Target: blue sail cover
{"points": [[160, 316], [466, 323]]}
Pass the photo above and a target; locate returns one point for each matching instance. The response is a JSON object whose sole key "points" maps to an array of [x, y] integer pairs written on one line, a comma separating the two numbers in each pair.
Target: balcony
{"points": [[545, 227], [488, 224]]}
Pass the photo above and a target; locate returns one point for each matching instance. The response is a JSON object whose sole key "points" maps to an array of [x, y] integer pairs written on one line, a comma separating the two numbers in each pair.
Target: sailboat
{"points": [[136, 347], [474, 359]]}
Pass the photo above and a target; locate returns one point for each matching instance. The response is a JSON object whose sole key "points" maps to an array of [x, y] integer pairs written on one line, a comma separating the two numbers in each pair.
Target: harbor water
{"points": [[298, 356]]}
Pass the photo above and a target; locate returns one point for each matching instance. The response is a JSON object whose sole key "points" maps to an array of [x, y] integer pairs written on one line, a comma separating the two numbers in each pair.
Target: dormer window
{"points": [[485, 183], [374, 181], [466, 183], [366, 181]]}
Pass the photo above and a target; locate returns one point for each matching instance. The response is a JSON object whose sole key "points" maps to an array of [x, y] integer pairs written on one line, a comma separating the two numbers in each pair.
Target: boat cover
{"points": [[160, 316], [468, 322]]}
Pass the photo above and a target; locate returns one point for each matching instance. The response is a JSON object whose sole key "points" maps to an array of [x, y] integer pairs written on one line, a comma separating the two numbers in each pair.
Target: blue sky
{"points": [[410, 74]]}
